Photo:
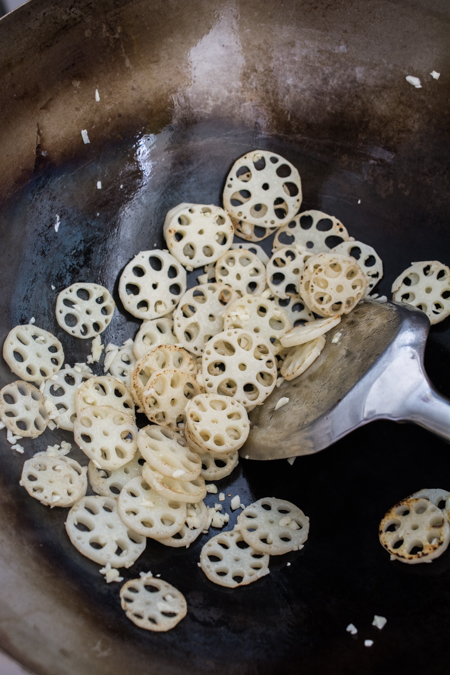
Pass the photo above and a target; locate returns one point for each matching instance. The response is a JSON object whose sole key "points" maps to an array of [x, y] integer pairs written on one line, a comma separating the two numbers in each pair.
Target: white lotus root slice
{"points": [[33, 353], [253, 248], [54, 481], [104, 390], [284, 270], [316, 231], [436, 496], [106, 435], [261, 316], [123, 364], [149, 513], [310, 331], [263, 188], [332, 284], [216, 467], [243, 271], [300, 358], [166, 395], [196, 520], [22, 409], [229, 561], [415, 530], [153, 333], [110, 483], [425, 285], [240, 364], [152, 604], [152, 284], [158, 359], [216, 424], [368, 260], [274, 526], [167, 452], [97, 532], [199, 315], [197, 234], [84, 310], [61, 390], [296, 309], [175, 488], [250, 232]]}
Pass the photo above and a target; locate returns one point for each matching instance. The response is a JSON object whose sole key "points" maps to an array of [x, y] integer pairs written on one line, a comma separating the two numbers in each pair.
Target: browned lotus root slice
{"points": [[250, 232], [415, 530], [166, 451], [166, 394], [175, 488], [332, 284], [258, 315], [54, 481], [368, 260], [315, 230], [300, 358], [284, 270], [33, 353], [61, 391], [274, 526], [197, 234], [216, 424], [229, 561], [196, 520], [199, 315], [84, 309], [22, 409], [110, 483], [104, 390], [425, 285], [263, 188], [243, 271], [160, 358], [106, 435], [153, 333], [240, 364], [152, 284], [216, 467], [152, 604]]}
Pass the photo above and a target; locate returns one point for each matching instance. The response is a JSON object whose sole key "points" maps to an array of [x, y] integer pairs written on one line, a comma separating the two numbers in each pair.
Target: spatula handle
{"points": [[430, 410]]}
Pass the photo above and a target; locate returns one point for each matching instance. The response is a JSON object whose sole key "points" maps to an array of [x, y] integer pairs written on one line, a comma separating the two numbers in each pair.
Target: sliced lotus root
{"points": [[196, 521], [197, 234], [274, 526], [166, 394], [436, 496], [106, 435], [300, 358], [263, 188], [425, 285], [240, 364], [332, 284], [167, 452], [258, 315], [152, 604], [152, 284], [54, 481], [243, 271], [253, 248], [216, 424], [296, 309], [84, 310], [110, 483], [97, 532], [22, 409], [218, 466], [415, 530], [284, 270], [149, 513], [199, 315], [175, 488], [123, 364], [61, 390], [153, 333], [229, 561], [160, 358], [104, 390], [33, 353], [309, 331], [249, 232], [368, 260], [315, 230]]}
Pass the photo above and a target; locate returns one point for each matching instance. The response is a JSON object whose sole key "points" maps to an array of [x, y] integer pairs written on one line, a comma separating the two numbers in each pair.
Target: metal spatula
{"points": [[370, 368]]}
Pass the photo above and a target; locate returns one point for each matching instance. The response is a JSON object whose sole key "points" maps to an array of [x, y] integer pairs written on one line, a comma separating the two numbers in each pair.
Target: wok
{"points": [[185, 88]]}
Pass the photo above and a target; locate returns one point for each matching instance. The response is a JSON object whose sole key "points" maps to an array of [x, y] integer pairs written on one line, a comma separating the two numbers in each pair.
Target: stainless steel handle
{"points": [[430, 410]]}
